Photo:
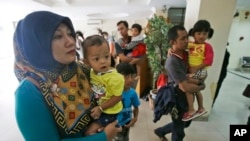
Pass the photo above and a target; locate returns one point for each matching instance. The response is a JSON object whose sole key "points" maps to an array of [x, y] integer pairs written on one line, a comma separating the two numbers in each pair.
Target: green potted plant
{"points": [[157, 44]]}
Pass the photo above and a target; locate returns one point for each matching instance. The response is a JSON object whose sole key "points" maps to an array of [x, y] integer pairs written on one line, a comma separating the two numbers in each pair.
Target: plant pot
{"points": [[153, 93]]}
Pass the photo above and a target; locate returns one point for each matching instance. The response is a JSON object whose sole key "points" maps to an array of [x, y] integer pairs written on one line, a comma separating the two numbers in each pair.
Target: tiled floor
{"points": [[231, 108]]}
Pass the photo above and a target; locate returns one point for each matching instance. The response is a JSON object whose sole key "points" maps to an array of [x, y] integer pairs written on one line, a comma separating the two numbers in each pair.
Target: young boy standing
{"points": [[129, 114]]}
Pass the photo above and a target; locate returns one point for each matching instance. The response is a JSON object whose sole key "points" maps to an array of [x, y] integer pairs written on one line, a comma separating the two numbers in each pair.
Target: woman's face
{"points": [[63, 45]]}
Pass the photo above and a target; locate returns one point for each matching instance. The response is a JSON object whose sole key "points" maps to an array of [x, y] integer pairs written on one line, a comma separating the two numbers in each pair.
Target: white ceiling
{"points": [[92, 9]]}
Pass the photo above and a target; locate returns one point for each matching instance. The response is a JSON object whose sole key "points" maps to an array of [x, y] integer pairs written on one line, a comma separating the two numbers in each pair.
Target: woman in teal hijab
{"points": [[53, 99]]}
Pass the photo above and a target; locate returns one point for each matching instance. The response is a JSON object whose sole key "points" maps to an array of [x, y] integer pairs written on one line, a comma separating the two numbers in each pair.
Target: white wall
{"points": [[7, 30], [240, 27], [107, 25], [6, 36], [220, 21]]}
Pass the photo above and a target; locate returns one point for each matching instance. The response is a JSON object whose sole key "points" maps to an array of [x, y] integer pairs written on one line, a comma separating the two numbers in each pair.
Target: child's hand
{"points": [[123, 45], [131, 123], [95, 112], [190, 75], [170, 52]]}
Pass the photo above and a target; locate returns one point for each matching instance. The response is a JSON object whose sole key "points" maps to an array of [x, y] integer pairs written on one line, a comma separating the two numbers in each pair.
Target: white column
{"points": [[220, 15]]}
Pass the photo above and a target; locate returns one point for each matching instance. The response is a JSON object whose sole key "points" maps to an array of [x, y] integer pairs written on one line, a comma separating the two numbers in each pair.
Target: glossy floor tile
{"points": [[230, 108]]}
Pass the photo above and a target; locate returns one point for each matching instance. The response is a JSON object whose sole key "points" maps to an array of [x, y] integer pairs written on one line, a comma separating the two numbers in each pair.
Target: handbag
{"points": [[246, 92]]}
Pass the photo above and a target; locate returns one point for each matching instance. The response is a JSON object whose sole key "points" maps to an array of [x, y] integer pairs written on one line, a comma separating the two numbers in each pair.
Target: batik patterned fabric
{"points": [[65, 88]]}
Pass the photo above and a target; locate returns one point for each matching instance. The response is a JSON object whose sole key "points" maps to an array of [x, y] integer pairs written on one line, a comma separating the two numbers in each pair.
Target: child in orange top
{"points": [[200, 57]]}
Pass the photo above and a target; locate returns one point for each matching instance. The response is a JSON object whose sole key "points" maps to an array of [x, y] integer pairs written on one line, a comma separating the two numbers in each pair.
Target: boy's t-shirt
{"points": [[107, 85], [129, 99]]}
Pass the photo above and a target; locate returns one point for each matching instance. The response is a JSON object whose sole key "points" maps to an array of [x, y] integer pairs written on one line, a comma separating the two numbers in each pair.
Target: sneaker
{"points": [[162, 138]]}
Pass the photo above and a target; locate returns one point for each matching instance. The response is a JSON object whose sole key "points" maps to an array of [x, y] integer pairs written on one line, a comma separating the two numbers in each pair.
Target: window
{"points": [[176, 15]]}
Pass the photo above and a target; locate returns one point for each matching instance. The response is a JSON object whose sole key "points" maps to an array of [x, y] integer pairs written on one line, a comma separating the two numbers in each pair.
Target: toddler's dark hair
{"points": [[125, 69], [200, 26], [137, 26], [91, 41]]}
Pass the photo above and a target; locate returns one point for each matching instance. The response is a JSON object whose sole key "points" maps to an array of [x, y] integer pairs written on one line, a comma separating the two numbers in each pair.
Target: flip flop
{"points": [[200, 113], [188, 117]]}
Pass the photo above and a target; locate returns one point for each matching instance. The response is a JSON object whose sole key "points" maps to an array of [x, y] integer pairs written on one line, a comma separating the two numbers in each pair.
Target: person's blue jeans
{"points": [[176, 127]]}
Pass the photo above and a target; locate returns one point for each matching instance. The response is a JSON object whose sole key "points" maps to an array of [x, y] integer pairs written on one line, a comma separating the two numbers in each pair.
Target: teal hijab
{"points": [[33, 58]]}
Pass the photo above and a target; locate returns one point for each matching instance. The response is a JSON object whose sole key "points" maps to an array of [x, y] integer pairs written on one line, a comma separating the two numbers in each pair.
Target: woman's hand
{"points": [[111, 130]]}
